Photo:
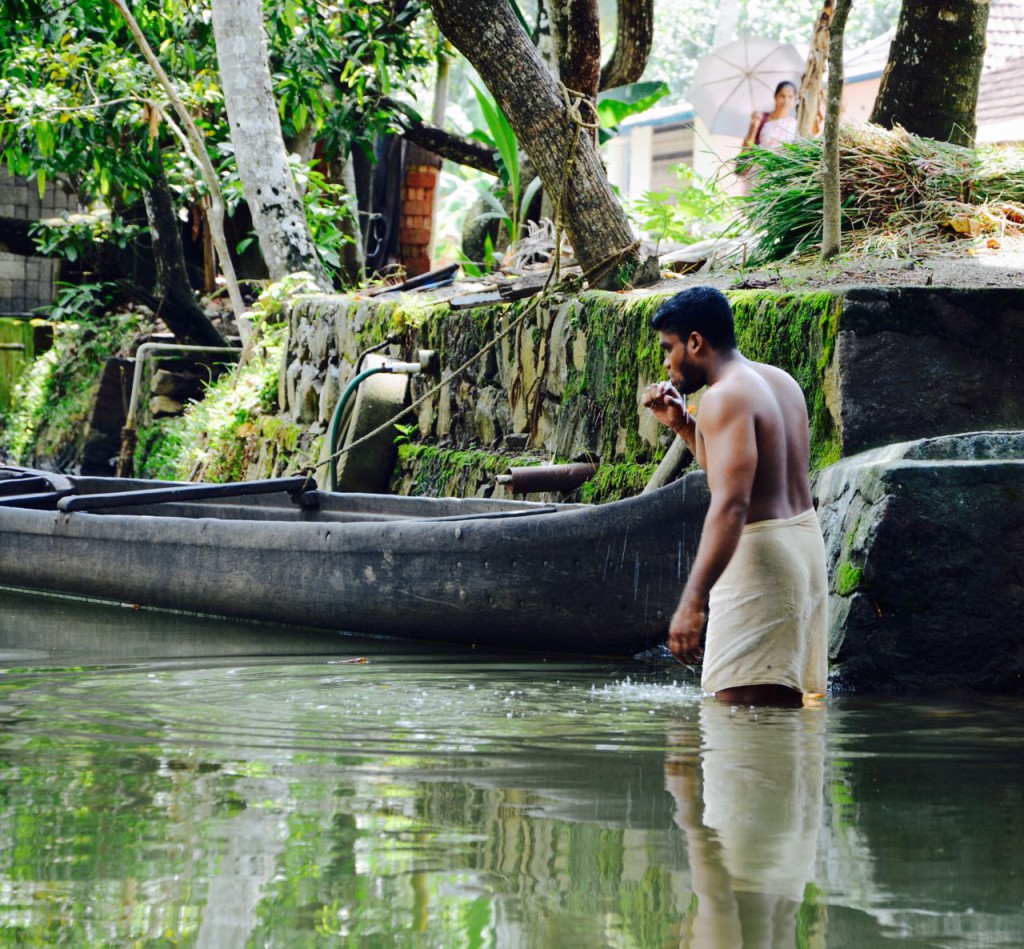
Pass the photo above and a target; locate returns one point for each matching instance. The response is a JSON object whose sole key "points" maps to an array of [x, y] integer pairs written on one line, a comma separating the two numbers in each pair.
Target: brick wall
{"points": [[27, 282], [416, 230]]}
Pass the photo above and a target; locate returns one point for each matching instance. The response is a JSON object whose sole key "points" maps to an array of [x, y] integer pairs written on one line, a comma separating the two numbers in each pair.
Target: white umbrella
{"points": [[739, 78]]}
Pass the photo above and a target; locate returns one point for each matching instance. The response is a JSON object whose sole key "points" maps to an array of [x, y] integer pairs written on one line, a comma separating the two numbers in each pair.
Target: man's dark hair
{"points": [[704, 310]]}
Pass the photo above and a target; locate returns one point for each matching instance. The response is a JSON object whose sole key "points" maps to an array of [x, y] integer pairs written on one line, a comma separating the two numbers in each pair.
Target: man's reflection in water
{"points": [[750, 804]]}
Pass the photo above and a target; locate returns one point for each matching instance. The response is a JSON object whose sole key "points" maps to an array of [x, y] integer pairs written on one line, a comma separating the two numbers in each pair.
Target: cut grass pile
{"points": [[897, 189]]}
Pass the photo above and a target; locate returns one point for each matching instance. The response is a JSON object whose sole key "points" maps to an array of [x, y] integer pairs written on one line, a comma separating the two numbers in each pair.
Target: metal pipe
{"points": [[125, 462], [140, 357], [426, 357], [534, 478]]}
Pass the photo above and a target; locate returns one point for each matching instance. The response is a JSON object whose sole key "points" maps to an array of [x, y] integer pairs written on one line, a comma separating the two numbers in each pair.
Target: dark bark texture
{"points": [[633, 39], [462, 151], [176, 303], [577, 44], [930, 84], [490, 36]]}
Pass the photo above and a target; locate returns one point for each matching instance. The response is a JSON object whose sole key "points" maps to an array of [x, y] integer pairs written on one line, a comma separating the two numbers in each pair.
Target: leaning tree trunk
{"points": [[177, 305], [634, 35], [809, 97], [277, 212], [930, 84], [832, 199], [195, 147], [493, 40]]}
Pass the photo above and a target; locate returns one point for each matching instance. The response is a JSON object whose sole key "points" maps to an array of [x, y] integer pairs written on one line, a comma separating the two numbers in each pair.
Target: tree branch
{"points": [[205, 166], [462, 151], [633, 39]]}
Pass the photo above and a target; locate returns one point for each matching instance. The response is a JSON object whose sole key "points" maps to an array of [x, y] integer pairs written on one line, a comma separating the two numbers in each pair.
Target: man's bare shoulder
{"points": [[773, 374], [733, 396], [746, 381]]}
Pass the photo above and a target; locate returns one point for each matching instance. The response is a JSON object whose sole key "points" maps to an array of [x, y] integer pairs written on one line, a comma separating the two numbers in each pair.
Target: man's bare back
{"points": [[775, 404]]}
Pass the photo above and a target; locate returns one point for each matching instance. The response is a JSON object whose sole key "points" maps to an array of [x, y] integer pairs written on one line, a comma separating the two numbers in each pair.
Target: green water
{"points": [[171, 782]]}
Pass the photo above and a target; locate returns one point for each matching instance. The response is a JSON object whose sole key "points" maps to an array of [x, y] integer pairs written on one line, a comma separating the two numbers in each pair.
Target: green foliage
{"points": [[275, 297], [327, 206], [694, 210], [76, 301], [404, 433], [77, 100], [332, 64], [221, 435], [619, 103], [54, 396], [503, 140], [81, 237]]}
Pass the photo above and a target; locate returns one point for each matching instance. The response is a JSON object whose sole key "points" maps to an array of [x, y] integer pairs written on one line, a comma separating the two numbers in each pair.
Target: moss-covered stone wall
{"points": [[561, 384], [797, 332]]}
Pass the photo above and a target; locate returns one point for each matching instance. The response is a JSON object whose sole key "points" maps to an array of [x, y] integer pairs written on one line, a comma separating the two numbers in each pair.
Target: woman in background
{"points": [[771, 129]]}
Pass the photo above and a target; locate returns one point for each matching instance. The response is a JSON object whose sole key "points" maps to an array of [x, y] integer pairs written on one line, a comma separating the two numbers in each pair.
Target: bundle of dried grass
{"points": [[897, 189]]}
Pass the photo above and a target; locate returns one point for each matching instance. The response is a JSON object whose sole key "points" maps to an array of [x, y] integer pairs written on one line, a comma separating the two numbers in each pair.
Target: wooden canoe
{"points": [[584, 579]]}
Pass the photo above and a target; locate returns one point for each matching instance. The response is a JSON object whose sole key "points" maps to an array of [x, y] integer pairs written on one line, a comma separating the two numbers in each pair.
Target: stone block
{"points": [[485, 417], [925, 547], [12, 267], [917, 363], [161, 406]]}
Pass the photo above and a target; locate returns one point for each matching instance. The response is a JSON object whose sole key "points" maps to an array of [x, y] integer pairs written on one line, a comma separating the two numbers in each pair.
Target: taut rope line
{"points": [[573, 102]]}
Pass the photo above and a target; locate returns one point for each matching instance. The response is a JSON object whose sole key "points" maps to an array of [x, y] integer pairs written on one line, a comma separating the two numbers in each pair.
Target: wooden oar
{"points": [[183, 492]]}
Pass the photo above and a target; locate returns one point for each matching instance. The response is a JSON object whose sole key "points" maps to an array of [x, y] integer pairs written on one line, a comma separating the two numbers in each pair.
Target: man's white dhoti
{"points": [[767, 614]]}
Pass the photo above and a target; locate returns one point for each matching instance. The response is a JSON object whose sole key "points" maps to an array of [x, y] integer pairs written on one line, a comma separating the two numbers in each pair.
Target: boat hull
{"points": [[577, 579]]}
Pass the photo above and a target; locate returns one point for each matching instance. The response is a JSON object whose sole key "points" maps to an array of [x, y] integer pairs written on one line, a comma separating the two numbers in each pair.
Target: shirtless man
{"points": [[759, 574]]}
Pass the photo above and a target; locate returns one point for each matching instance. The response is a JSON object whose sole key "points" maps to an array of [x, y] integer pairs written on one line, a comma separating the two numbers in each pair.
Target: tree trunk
{"points": [[930, 83], [177, 303], [808, 115], [633, 38], [277, 211], [195, 147], [492, 39], [577, 44], [831, 197]]}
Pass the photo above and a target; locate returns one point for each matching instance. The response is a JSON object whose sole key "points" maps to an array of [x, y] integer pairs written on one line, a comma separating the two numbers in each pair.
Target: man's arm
{"points": [[667, 406], [730, 460]]}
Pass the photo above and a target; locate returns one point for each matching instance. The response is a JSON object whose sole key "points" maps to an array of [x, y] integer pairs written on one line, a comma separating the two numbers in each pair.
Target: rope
{"points": [[574, 102], [385, 426]]}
